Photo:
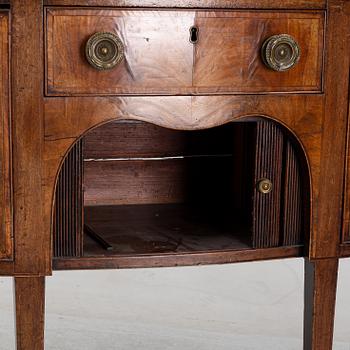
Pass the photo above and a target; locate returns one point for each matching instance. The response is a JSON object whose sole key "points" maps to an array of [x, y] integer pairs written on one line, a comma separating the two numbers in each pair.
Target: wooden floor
{"points": [[163, 228]]}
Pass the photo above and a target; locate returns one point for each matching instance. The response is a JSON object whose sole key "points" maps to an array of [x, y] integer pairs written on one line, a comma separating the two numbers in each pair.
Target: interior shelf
{"points": [[163, 228]]}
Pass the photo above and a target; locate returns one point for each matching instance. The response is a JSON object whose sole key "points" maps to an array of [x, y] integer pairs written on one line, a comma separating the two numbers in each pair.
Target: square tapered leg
{"points": [[319, 310], [30, 312]]}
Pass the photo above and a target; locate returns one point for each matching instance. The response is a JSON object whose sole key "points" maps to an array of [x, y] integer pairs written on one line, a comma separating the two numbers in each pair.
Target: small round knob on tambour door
{"points": [[280, 52], [104, 50], [264, 186]]}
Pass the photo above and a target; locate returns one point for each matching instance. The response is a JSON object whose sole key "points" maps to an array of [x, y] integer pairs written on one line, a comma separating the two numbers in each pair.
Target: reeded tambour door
{"points": [[5, 144]]}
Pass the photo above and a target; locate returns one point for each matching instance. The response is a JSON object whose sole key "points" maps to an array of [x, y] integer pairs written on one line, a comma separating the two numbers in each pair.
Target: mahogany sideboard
{"points": [[152, 133]]}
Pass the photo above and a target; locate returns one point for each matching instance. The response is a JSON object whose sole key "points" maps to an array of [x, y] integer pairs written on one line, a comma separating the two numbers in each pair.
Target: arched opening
{"points": [[131, 188]]}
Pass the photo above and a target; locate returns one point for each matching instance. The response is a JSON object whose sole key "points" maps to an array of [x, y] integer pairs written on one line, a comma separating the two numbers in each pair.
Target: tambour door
{"points": [[5, 144]]}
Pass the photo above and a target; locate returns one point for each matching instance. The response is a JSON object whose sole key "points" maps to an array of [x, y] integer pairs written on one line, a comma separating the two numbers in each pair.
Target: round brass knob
{"points": [[265, 186], [104, 50], [280, 52]]}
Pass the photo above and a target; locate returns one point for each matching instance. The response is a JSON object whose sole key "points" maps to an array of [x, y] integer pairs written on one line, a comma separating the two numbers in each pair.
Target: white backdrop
{"points": [[248, 306]]}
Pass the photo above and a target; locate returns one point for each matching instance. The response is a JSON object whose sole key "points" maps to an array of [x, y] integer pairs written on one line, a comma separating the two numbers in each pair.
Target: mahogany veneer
{"points": [[220, 62], [138, 166], [6, 237]]}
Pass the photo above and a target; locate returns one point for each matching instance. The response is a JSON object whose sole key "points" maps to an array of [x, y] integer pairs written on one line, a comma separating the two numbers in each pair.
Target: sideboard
{"points": [[153, 133]]}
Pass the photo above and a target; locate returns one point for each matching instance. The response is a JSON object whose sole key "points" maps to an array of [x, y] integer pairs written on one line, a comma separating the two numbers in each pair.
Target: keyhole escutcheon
{"points": [[194, 34]]}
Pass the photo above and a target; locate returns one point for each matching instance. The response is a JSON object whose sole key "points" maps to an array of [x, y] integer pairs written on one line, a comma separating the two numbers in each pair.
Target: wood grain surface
{"points": [[165, 229], [346, 213], [6, 236], [29, 301], [248, 4], [136, 139], [228, 52], [184, 259], [321, 278], [32, 237], [329, 206], [198, 189], [219, 80], [226, 58], [302, 114], [146, 171]]}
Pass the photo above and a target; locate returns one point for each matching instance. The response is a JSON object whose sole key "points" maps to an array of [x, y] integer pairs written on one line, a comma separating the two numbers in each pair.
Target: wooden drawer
{"points": [[228, 54], [160, 59], [5, 159]]}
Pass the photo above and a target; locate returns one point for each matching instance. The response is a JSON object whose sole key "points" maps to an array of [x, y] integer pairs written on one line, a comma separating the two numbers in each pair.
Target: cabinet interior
{"points": [[134, 188]]}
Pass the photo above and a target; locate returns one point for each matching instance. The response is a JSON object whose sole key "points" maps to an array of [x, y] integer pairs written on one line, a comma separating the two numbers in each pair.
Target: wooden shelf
{"points": [[166, 235], [164, 228]]}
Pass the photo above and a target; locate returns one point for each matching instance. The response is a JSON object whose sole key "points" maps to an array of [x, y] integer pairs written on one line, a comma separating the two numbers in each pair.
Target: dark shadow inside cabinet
{"points": [[131, 188]]}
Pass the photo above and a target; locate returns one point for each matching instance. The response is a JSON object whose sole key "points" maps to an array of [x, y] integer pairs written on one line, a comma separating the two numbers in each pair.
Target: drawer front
{"points": [[160, 54], [228, 53], [5, 144]]}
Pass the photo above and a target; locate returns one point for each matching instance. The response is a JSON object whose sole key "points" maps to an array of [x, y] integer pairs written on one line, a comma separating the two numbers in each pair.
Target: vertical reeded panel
{"points": [[277, 215], [292, 198], [6, 242], [268, 165], [68, 222]]}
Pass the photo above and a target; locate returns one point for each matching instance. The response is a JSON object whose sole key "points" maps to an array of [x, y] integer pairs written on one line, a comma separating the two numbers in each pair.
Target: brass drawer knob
{"points": [[265, 186], [280, 52], [104, 50]]}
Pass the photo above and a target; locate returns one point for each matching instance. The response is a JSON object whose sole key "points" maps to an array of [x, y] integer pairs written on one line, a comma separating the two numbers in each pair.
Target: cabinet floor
{"points": [[164, 228]]}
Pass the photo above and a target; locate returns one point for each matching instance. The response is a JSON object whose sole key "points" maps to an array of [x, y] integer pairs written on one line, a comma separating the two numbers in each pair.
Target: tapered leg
{"points": [[320, 295], [30, 310]]}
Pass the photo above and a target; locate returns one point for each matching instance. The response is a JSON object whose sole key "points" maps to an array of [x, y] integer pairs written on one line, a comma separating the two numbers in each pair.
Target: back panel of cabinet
{"points": [[6, 244]]}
